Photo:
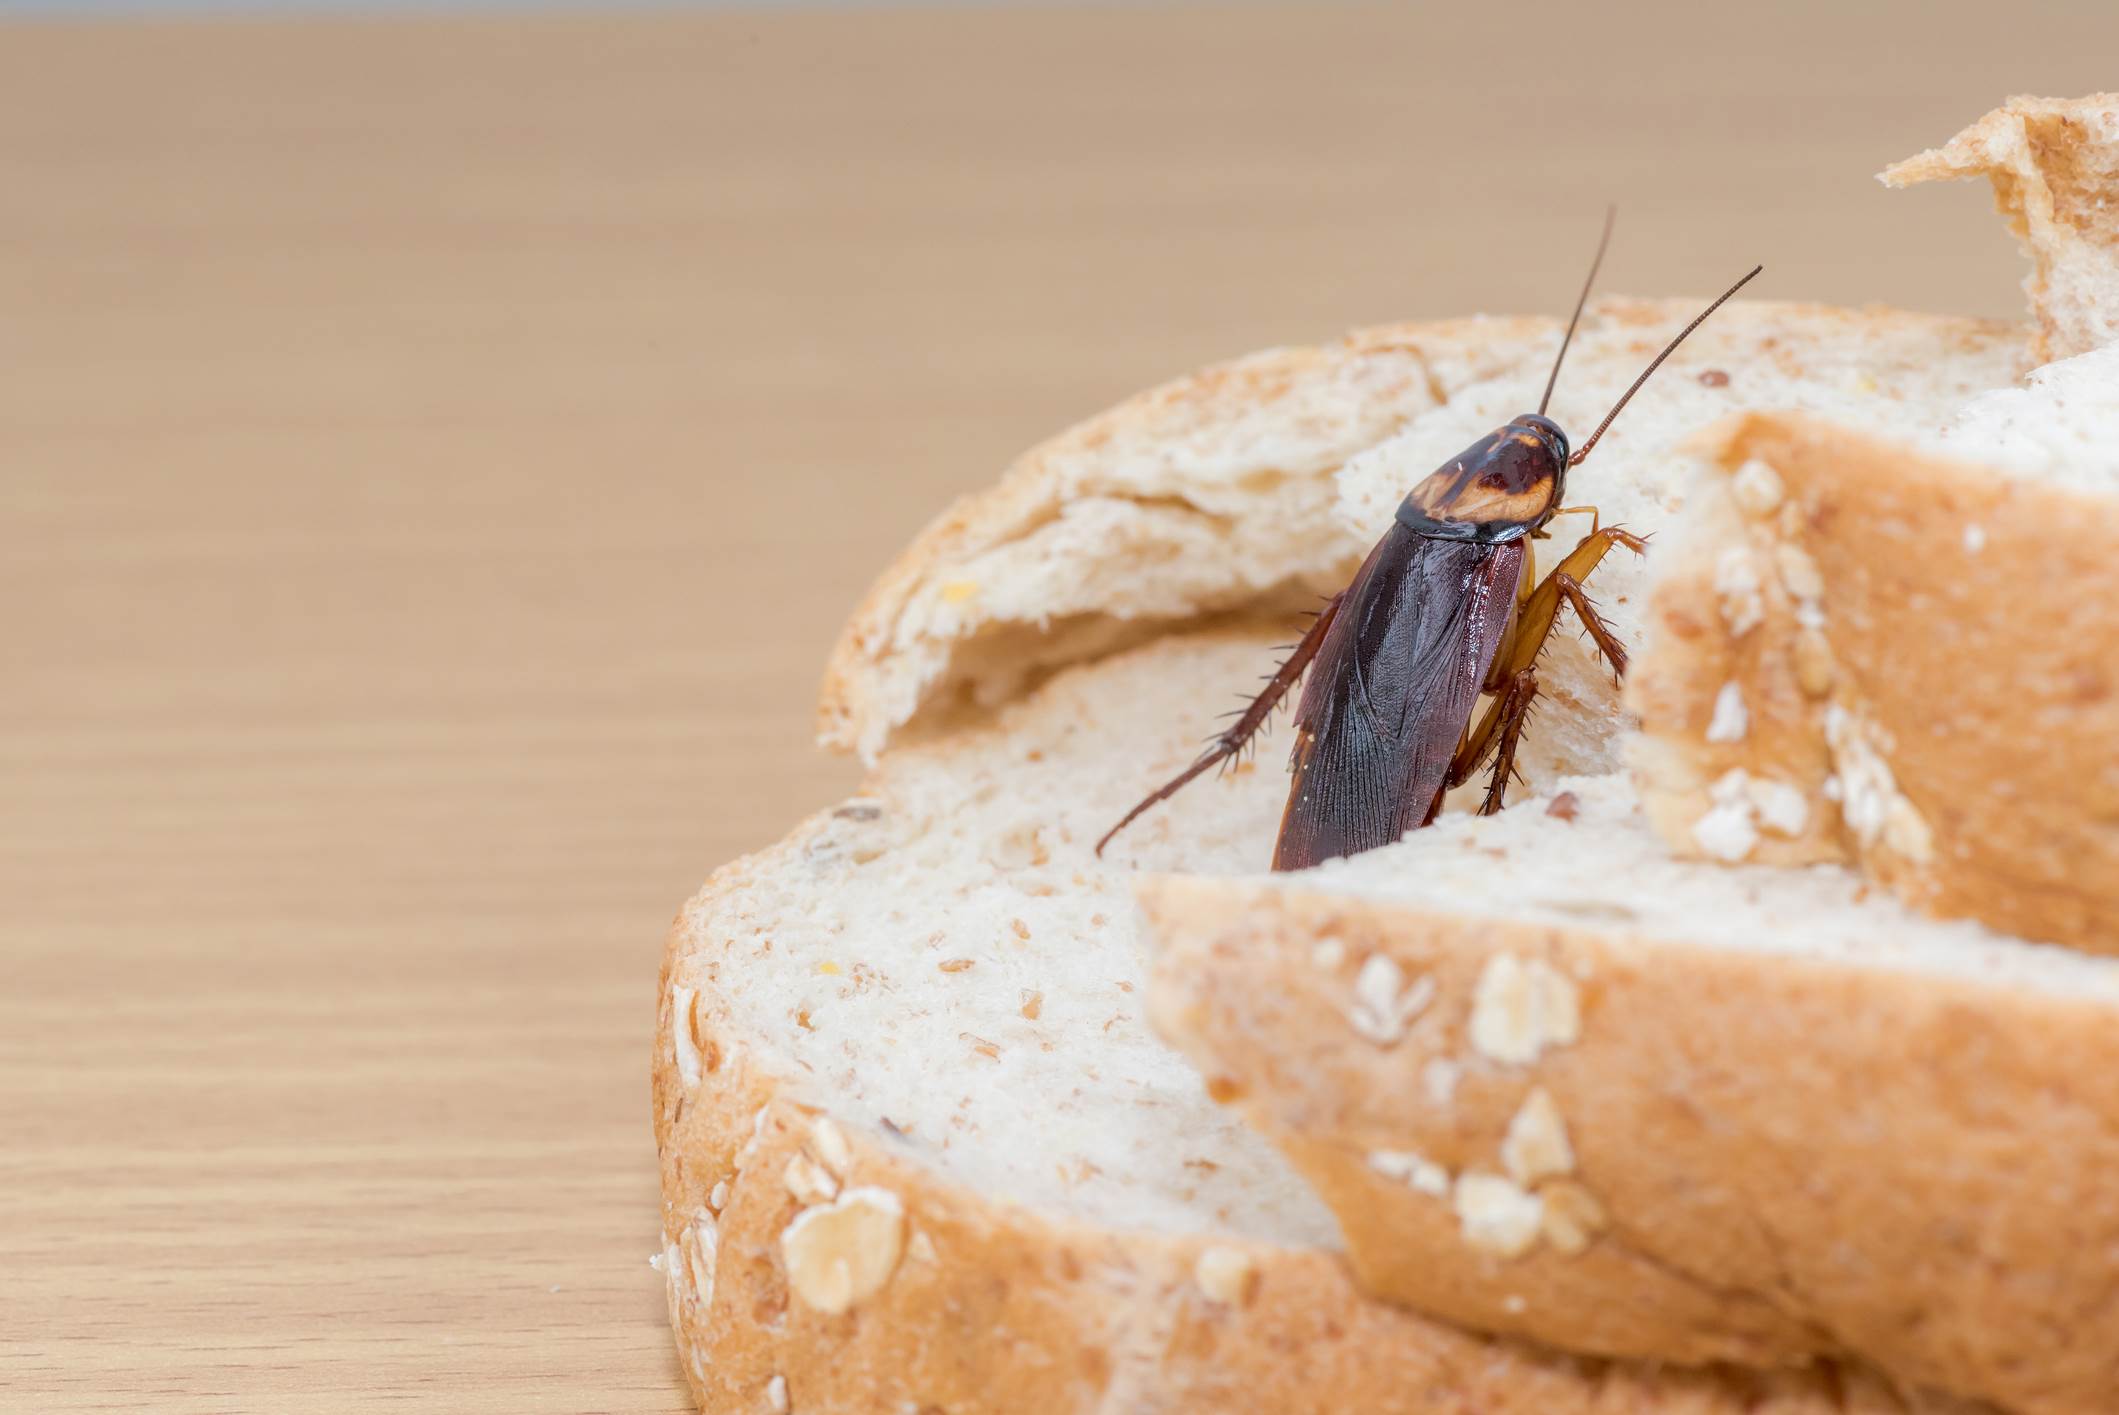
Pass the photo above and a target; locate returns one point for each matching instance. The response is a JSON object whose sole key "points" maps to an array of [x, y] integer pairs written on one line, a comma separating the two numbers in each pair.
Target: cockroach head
{"points": [[1501, 488]]}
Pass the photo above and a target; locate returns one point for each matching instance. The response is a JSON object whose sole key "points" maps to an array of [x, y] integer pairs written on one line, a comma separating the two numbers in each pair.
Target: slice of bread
{"points": [[1258, 485], [1913, 654], [920, 1151], [1557, 1084], [2054, 163]]}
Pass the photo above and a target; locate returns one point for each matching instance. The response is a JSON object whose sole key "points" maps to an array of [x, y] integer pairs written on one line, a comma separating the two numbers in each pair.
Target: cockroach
{"points": [[1445, 610]]}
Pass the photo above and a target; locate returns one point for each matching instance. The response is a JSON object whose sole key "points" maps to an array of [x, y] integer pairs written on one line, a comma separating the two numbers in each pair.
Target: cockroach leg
{"points": [[1599, 632], [1233, 739], [1501, 724], [1541, 608], [1589, 511], [1515, 711]]}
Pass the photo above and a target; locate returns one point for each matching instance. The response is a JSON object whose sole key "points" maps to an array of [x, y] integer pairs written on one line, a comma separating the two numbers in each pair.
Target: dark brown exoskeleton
{"points": [[1444, 610]]}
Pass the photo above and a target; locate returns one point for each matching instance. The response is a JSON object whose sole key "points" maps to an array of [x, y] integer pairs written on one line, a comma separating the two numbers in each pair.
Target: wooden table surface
{"points": [[434, 457]]}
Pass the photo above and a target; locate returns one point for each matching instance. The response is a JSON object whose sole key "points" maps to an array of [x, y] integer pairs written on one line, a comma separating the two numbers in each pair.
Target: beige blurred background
{"points": [[436, 453]]}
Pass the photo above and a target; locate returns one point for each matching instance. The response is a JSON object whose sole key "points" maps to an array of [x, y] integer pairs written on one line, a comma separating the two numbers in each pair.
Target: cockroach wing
{"points": [[1391, 692]]}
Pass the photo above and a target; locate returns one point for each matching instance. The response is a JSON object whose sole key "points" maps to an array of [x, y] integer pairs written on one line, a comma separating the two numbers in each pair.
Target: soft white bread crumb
{"points": [[2054, 163]]}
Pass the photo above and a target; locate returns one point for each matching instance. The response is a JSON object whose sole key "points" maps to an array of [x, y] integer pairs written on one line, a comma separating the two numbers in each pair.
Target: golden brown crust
{"points": [[1766, 1157], [1949, 709], [2054, 164], [996, 1309]]}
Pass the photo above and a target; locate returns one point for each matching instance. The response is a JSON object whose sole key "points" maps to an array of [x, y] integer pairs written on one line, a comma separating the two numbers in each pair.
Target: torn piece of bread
{"points": [[1260, 484], [2054, 163], [1860, 649], [920, 1150], [2055, 430], [1557, 1084]]}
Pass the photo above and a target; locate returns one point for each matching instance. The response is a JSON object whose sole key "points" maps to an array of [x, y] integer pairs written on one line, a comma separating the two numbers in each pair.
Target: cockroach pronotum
{"points": [[1444, 609]]}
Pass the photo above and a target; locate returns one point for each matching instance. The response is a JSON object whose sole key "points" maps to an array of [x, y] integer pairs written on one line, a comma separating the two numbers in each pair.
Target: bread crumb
{"points": [[1497, 1217], [1798, 571], [959, 591], [1537, 1147], [1739, 590], [841, 1253], [700, 1245], [1728, 831], [1781, 808], [1384, 1003], [980, 1045], [1975, 538], [1906, 832], [1713, 378], [1022, 930], [1814, 668], [831, 1146], [808, 1181], [1869, 799], [1033, 1003], [1573, 1217], [682, 1037], [1327, 954], [1513, 1304], [828, 968], [954, 965], [717, 1197], [1757, 489], [1521, 1008], [1564, 806], [776, 1395], [1225, 1275], [1413, 1170], [1730, 721]]}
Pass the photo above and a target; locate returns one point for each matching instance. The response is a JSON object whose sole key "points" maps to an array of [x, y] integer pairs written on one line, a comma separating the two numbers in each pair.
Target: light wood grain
{"points": [[434, 456]]}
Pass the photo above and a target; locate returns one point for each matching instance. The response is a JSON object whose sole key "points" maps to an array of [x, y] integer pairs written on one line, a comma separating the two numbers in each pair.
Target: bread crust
{"points": [[1937, 680], [2054, 165], [992, 1308], [1783, 1157]]}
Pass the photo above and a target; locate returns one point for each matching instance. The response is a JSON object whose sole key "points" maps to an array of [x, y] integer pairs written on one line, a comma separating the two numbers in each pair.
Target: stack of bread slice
{"points": [[1714, 1074]]}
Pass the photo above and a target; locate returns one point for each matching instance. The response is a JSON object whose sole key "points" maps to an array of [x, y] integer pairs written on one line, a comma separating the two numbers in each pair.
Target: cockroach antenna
{"points": [[1668, 350], [1611, 214]]}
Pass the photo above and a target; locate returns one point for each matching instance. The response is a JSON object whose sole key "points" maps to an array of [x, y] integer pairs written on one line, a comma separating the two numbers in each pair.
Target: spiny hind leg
{"points": [[1499, 728], [1225, 745], [1514, 712]]}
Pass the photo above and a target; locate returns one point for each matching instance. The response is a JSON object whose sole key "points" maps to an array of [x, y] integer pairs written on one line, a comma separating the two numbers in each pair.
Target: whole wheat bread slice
{"points": [[1556, 1083], [1913, 651], [1018, 1199], [921, 1152]]}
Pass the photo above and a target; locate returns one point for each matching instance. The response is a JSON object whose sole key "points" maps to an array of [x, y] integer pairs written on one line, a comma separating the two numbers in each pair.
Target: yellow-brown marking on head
{"points": [[1500, 488]]}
